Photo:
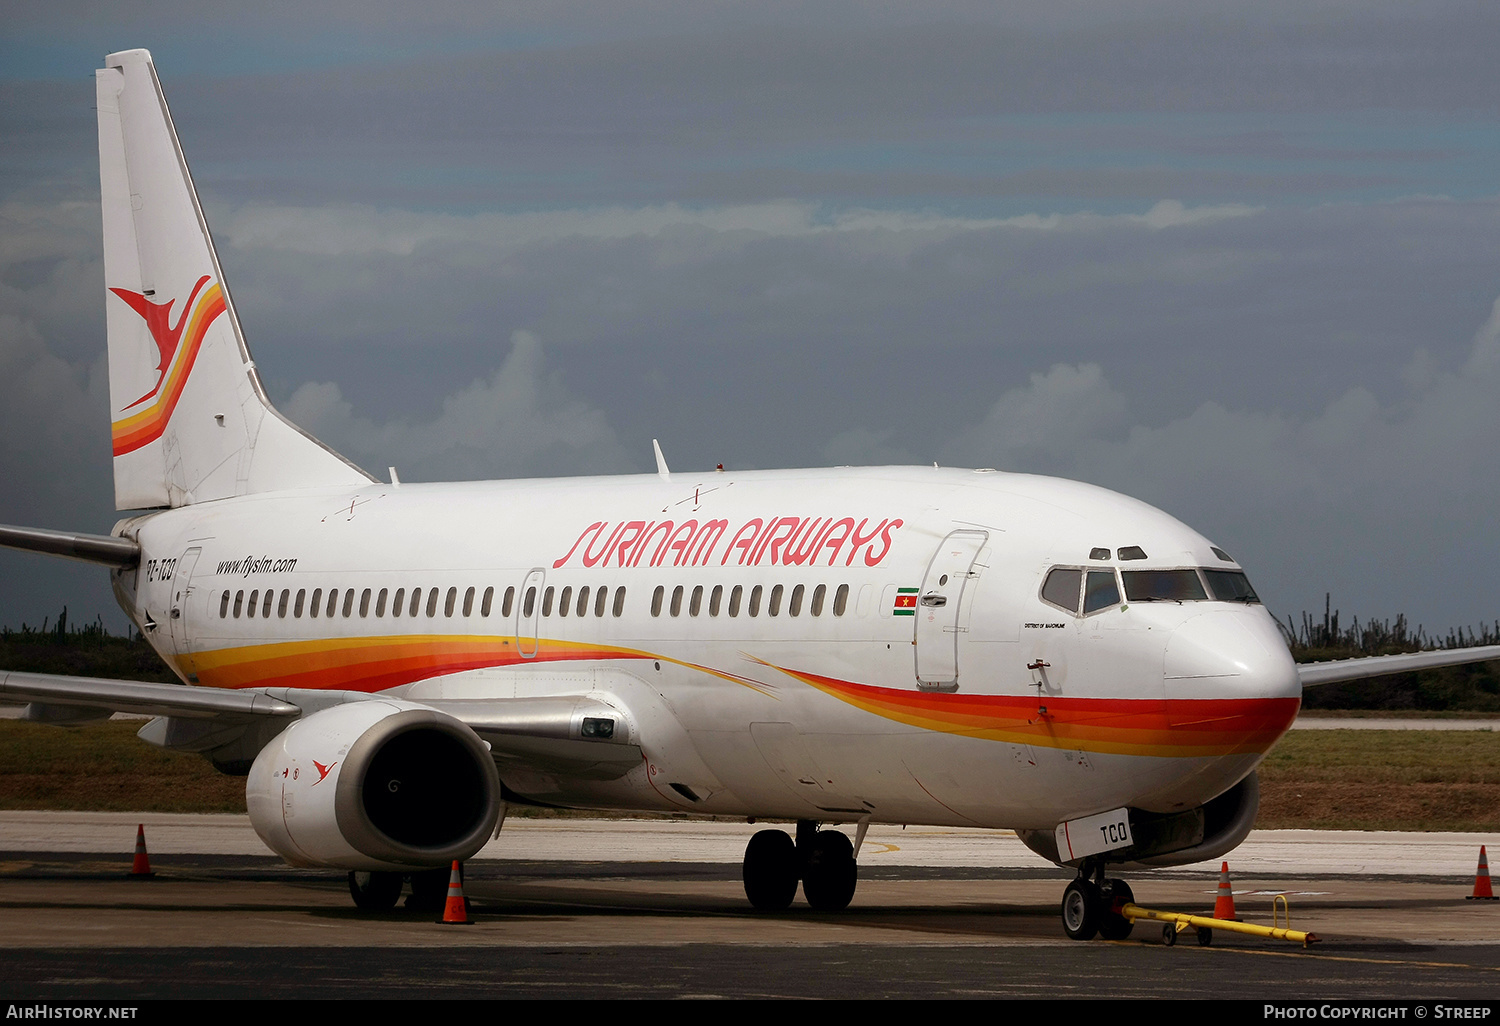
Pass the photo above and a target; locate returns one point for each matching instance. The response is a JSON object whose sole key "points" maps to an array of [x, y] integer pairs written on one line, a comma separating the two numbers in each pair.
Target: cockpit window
{"points": [[1230, 586], [1226, 557], [1101, 591], [1061, 588], [1163, 585]]}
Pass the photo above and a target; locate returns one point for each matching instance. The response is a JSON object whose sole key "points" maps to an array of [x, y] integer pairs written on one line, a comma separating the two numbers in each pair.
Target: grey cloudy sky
{"points": [[1240, 260]]}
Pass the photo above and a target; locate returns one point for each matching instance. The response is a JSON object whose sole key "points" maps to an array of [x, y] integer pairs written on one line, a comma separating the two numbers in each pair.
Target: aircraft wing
{"points": [[567, 734], [1379, 666], [95, 698]]}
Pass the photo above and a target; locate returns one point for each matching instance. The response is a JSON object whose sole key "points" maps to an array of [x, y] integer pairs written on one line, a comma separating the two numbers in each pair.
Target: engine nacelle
{"points": [[1175, 839], [382, 784]]}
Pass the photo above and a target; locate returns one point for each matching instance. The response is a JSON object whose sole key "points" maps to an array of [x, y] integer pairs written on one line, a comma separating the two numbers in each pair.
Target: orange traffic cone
{"points": [[1224, 903], [140, 868], [456, 909], [1482, 891]]}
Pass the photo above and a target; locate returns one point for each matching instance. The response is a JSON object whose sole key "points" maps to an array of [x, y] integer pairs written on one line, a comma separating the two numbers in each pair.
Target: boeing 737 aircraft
{"points": [[393, 665]]}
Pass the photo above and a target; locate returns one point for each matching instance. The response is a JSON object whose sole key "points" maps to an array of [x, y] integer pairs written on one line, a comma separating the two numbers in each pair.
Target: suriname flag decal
{"points": [[906, 602]]}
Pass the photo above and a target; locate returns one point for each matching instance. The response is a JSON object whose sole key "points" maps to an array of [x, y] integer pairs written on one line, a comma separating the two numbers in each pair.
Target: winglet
{"points": [[661, 462]]}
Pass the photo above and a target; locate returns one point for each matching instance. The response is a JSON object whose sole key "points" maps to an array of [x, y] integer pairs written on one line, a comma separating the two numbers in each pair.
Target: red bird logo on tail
{"points": [[163, 333]]}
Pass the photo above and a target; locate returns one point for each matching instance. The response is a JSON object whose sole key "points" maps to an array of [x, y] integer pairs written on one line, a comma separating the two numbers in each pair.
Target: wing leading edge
{"points": [[1378, 666]]}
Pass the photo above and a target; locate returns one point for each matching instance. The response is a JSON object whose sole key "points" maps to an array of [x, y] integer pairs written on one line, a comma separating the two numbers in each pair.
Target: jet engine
{"points": [[1179, 838], [374, 785]]}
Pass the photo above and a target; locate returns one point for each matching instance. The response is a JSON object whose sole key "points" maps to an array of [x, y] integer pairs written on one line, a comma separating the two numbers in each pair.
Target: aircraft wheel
{"points": [[1081, 910], [375, 892], [831, 874], [429, 890], [770, 870], [1112, 925]]}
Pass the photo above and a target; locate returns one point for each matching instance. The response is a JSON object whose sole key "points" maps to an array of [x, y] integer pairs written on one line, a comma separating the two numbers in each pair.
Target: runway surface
{"points": [[625, 908]]}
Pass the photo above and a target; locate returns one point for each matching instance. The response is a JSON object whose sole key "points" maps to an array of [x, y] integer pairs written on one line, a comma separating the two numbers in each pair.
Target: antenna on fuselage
{"points": [[661, 462]]}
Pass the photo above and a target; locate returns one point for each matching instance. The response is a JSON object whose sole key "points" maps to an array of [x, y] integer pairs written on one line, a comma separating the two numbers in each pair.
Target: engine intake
{"points": [[374, 785]]}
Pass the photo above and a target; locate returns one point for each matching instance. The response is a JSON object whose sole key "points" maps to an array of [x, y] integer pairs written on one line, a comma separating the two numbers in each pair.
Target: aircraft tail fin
{"points": [[191, 421]]}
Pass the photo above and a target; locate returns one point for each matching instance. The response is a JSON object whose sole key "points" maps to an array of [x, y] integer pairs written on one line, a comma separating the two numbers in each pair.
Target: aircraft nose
{"points": [[1230, 654]]}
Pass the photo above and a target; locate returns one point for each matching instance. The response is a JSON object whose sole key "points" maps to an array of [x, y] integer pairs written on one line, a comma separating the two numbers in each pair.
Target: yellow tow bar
{"points": [[1177, 922]]}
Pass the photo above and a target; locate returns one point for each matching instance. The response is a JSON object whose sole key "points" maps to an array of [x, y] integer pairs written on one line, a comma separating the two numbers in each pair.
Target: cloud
{"points": [[354, 230], [1387, 504], [519, 422]]}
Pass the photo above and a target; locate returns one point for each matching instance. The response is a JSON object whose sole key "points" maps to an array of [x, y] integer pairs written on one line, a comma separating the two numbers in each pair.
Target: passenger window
{"points": [[312, 609], [416, 602], [364, 603], [795, 607], [254, 601], [398, 602], [530, 606], [488, 603], [715, 599], [734, 600], [841, 600], [333, 603], [297, 606], [510, 601], [380, 602], [677, 601], [239, 597], [432, 601], [1061, 588], [600, 600], [1101, 591], [755, 601], [583, 601], [265, 609], [281, 606], [656, 597], [565, 601], [224, 606], [773, 608], [450, 602], [696, 605], [619, 601], [469, 602], [818, 593], [349, 602]]}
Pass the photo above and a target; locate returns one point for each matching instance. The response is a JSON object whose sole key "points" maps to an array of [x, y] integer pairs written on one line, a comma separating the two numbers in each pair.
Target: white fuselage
{"points": [[1027, 714]]}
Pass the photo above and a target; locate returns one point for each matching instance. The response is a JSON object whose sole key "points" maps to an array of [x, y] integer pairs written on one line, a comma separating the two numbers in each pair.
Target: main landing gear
{"points": [[1092, 906], [379, 892], [822, 859]]}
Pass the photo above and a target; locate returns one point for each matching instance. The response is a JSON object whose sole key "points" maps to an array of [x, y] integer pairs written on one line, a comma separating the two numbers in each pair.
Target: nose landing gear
{"points": [[1092, 906], [823, 860]]}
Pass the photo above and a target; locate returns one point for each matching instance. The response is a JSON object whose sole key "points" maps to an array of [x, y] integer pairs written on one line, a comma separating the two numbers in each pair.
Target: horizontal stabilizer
{"points": [[1379, 666], [120, 553]]}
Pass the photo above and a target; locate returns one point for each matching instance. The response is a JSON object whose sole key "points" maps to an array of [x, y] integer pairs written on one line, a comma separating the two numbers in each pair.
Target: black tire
{"points": [[831, 875], [770, 870], [1205, 936], [429, 890], [1081, 906], [1112, 925], [375, 892], [1169, 934]]}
